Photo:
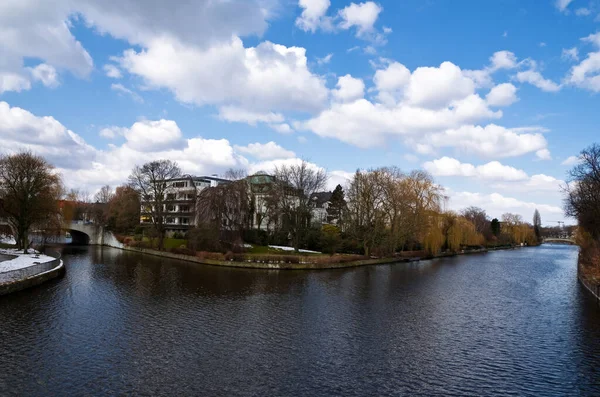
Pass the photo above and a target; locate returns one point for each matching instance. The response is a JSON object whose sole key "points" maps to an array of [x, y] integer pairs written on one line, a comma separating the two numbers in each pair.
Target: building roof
{"points": [[320, 198]]}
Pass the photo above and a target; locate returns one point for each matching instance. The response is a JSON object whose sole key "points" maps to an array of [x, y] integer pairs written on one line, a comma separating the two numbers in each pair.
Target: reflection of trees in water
{"points": [[151, 275]]}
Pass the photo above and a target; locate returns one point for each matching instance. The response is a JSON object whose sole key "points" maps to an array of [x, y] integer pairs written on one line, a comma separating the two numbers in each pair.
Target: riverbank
{"points": [[587, 270], [304, 265], [21, 271]]}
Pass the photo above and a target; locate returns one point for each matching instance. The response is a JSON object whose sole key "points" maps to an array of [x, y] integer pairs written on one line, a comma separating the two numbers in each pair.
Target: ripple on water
{"points": [[507, 323]]}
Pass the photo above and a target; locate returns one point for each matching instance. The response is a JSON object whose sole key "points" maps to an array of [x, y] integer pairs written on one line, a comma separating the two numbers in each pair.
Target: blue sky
{"points": [[493, 98]]}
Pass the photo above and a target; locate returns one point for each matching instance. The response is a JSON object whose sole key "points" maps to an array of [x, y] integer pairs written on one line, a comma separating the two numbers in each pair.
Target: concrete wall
{"points": [[32, 281], [97, 234]]}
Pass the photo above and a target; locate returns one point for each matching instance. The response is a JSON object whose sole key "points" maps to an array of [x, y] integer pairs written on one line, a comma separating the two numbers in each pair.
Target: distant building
{"points": [[320, 202], [179, 207]]}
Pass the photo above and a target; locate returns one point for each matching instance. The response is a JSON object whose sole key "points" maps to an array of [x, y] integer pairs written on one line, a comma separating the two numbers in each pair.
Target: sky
{"points": [[494, 98]]}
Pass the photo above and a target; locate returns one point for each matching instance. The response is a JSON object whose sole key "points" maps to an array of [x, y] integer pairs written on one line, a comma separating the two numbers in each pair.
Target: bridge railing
{"points": [[30, 271]]}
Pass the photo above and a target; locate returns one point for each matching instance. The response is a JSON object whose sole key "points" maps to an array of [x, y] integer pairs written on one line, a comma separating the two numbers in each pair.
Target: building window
{"points": [[171, 196], [180, 184], [184, 208], [184, 221]]}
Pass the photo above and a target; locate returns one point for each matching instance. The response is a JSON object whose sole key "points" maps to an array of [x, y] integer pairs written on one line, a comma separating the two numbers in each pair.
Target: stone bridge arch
{"points": [[91, 234]]}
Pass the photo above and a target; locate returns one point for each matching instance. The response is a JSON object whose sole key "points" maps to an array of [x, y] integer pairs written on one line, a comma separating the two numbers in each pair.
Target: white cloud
{"points": [[313, 15], [262, 78], [282, 128], [586, 74], [489, 141], [436, 88], [503, 60], [266, 151], [570, 54], [46, 74], [112, 71], [349, 89], [40, 31], [149, 136], [502, 95], [593, 38], [571, 160], [542, 44], [543, 154], [497, 204], [124, 90], [240, 115], [112, 132], [498, 61], [494, 170], [22, 130], [362, 16], [562, 4], [339, 178], [536, 79]]}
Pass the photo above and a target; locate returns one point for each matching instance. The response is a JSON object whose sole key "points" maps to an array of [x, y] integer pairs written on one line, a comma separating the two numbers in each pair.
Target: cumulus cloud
{"points": [[498, 61], [240, 115], [265, 151], [362, 16], [497, 204], [586, 74], [268, 76], [22, 130], [489, 141], [500, 176], [502, 95], [40, 31], [536, 79], [313, 15], [149, 136], [349, 89], [571, 160], [494, 170], [46, 74]]}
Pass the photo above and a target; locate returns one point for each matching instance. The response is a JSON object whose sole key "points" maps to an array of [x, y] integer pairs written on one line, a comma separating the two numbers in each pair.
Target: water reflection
{"points": [[503, 323]]}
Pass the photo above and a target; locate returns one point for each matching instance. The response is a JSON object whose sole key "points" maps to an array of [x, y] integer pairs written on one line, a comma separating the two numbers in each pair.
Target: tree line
{"points": [[380, 212], [582, 201]]}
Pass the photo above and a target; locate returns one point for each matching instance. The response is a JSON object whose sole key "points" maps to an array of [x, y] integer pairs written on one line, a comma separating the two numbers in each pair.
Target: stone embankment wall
{"points": [[28, 280]]}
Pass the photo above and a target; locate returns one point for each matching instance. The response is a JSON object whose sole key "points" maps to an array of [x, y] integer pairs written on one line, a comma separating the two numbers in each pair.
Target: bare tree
{"points": [[293, 187], [151, 181], [583, 191], [226, 209], [478, 217], [29, 192], [104, 195]]}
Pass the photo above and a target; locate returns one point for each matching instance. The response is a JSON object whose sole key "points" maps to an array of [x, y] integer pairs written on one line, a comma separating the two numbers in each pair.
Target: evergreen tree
{"points": [[537, 224], [337, 205], [495, 225]]}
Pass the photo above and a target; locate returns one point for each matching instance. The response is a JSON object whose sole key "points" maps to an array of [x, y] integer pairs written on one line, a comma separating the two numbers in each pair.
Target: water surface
{"points": [[503, 323]]}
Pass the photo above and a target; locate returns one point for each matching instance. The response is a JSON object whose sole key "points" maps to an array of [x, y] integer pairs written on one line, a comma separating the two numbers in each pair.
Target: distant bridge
{"points": [[91, 234], [559, 241]]}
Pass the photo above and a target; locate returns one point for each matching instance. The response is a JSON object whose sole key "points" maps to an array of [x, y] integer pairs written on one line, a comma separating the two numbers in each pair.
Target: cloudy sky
{"points": [[494, 98]]}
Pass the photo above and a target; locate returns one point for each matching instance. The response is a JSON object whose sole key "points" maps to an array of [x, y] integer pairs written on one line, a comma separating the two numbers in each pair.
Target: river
{"points": [[503, 323]]}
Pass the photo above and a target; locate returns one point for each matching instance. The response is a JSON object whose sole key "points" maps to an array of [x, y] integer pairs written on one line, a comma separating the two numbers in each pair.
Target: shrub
{"points": [[138, 237], [178, 236], [139, 229], [141, 244], [229, 256]]}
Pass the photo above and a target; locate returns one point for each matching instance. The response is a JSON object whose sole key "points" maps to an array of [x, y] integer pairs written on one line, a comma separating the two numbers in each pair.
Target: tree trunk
{"points": [[161, 240]]}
